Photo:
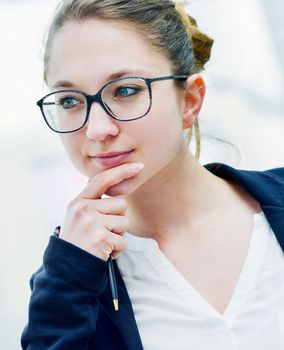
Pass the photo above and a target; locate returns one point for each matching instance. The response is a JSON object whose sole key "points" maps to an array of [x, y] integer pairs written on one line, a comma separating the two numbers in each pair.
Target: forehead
{"points": [[89, 52]]}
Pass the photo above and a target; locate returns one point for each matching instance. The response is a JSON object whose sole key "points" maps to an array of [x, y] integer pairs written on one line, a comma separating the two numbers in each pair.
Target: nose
{"points": [[100, 125]]}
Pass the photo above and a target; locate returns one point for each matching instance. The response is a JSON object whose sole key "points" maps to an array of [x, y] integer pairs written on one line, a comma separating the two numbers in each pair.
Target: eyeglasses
{"points": [[123, 99]]}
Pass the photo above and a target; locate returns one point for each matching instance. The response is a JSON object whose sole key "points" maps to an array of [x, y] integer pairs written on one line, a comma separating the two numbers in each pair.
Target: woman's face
{"points": [[85, 56]]}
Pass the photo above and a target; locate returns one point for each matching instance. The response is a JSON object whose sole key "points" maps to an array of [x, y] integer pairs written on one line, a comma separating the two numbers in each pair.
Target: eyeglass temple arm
{"points": [[167, 78]]}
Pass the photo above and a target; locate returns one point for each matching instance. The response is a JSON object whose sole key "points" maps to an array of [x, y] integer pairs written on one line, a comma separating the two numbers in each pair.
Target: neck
{"points": [[181, 197]]}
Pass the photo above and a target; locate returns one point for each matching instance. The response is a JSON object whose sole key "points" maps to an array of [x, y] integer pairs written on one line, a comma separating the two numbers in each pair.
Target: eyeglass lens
{"points": [[125, 99]]}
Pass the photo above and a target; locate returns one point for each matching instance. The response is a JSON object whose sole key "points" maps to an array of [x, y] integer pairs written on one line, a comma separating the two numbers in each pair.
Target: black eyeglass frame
{"points": [[98, 98]]}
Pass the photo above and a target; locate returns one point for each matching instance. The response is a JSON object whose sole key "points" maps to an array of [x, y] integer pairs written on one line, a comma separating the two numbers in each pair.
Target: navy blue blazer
{"points": [[70, 306]]}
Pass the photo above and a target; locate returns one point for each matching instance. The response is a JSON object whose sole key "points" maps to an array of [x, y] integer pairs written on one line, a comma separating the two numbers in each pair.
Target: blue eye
{"points": [[125, 91], [69, 102]]}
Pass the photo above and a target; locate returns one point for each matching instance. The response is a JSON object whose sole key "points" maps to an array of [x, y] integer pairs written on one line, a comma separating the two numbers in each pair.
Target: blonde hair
{"points": [[163, 23]]}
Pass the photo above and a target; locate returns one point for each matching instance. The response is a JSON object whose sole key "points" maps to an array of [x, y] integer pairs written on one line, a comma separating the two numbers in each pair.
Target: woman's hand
{"points": [[98, 225]]}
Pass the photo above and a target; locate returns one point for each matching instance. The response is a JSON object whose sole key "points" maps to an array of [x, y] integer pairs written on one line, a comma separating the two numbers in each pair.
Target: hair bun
{"points": [[201, 43]]}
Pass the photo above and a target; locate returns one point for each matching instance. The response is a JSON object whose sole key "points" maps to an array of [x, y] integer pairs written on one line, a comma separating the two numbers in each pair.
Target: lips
{"points": [[112, 158]]}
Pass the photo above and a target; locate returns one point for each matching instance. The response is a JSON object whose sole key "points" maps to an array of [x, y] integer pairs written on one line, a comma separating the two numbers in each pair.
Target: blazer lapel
{"points": [[275, 217]]}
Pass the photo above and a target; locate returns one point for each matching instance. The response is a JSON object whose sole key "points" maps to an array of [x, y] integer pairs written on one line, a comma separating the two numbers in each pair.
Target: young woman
{"points": [[196, 250]]}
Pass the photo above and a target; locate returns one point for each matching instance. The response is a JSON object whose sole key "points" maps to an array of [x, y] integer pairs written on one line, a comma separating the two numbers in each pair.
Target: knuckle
{"points": [[87, 224], [77, 206], [121, 243], [122, 203], [125, 221], [100, 238]]}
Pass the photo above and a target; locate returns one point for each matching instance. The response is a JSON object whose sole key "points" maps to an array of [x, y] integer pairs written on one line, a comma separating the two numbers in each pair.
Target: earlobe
{"points": [[193, 99]]}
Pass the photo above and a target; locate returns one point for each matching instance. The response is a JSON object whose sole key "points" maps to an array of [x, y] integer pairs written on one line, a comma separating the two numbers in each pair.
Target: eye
{"points": [[68, 102], [125, 91]]}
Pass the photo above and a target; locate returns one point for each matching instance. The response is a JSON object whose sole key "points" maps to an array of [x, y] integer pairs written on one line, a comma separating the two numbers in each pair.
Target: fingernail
{"points": [[137, 166]]}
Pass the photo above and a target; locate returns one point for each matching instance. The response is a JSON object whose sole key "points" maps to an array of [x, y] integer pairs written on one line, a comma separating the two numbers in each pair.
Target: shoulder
{"points": [[223, 169], [267, 186], [278, 172]]}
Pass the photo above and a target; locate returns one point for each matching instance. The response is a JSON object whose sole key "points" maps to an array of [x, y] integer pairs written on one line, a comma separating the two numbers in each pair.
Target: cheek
{"points": [[161, 133], [72, 144]]}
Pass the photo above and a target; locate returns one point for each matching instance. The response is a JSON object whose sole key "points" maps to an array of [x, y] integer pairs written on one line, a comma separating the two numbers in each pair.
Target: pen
{"points": [[112, 283]]}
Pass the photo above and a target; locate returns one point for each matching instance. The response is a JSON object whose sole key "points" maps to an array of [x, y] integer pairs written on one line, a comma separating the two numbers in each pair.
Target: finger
{"points": [[113, 206], [116, 243], [114, 223], [106, 206], [113, 246], [115, 254], [104, 180]]}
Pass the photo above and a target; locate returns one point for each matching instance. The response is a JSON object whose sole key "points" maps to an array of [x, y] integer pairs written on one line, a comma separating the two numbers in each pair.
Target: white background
{"points": [[244, 105]]}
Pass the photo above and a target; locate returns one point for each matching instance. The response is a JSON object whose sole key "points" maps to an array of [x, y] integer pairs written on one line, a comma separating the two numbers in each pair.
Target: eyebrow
{"points": [[113, 76]]}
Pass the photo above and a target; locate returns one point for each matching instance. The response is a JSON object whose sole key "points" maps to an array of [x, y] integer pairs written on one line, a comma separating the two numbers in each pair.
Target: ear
{"points": [[193, 99]]}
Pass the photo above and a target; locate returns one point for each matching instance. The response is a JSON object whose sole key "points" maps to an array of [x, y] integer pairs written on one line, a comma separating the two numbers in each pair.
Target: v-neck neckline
{"points": [[191, 298]]}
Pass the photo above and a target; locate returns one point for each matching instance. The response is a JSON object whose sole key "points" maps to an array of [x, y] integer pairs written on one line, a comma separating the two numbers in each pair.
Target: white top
{"points": [[171, 314]]}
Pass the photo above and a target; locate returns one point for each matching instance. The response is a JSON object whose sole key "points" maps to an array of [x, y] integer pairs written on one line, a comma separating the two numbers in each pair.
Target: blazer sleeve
{"points": [[63, 308]]}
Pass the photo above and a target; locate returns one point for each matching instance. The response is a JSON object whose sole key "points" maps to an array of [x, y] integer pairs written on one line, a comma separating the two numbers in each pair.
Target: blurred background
{"points": [[244, 107]]}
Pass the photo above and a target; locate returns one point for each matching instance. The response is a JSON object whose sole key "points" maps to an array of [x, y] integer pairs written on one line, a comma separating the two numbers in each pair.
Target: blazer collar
{"points": [[267, 187]]}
